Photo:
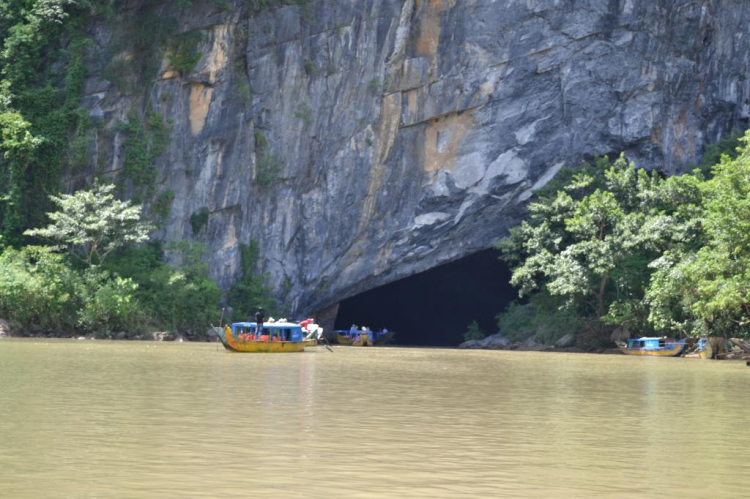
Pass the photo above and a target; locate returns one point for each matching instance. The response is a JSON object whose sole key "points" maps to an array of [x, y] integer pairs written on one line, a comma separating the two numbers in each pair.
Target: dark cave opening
{"points": [[435, 307]]}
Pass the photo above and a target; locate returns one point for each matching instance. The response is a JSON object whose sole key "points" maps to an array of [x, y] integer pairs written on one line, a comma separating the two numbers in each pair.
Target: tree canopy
{"points": [[92, 224], [613, 245]]}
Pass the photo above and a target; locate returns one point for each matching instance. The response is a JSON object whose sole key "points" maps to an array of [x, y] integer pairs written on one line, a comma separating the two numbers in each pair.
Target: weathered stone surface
{"points": [[620, 333], [408, 133], [496, 342], [565, 341], [4, 328], [164, 336], [492, 342], [471, 344]]}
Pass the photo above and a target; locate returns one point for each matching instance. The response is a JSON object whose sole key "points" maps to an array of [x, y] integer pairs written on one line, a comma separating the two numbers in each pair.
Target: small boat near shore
{"points": [[276, 337], [653, 347], [363, 339]]}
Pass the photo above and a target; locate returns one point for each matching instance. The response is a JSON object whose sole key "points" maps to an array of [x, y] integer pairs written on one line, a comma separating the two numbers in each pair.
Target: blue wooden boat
{"points": [[653, 347], [360, 338]]}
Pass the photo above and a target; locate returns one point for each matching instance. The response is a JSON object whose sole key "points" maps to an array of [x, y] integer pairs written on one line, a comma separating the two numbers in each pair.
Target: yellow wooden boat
{"points": [[363, 340], [653, 347], [358, 340], [278, 337], [343, 339]]}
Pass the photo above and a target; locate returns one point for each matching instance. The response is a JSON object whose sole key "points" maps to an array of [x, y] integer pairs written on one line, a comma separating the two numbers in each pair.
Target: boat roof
{"points": [[267, 325]]}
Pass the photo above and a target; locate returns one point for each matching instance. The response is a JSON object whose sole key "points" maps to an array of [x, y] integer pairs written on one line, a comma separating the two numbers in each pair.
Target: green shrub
{"points": [[375, 85], [142, 146], [184, 51], [162, 207], [473, 332], [38, 288], [543, 317], [725, 146], [199, 220], [41, 291], [179, 297], [305, 114], [310, 67], [109, 304], [251, 291], [267, 168]]}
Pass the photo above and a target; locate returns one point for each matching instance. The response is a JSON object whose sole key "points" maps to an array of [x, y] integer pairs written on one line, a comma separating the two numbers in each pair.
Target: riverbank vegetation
{"points": [[608, 245], [98, 277], [93, 269]]}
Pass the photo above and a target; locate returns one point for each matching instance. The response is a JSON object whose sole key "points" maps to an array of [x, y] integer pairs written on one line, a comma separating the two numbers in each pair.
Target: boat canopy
{"points": [[285, 331], [649, 343]]}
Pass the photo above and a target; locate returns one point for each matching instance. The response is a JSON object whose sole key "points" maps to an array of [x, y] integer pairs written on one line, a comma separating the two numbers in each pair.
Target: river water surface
{"points": [[106, 419]]}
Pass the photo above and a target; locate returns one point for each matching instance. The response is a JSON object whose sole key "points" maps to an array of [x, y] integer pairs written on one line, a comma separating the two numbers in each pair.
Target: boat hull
{"points": [[671, 350], [235, 344], [310, 343], [383, 339], [362, 340], [343, 340]]}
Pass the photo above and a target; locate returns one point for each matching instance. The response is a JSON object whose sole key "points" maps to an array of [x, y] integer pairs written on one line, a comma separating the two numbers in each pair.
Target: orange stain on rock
{"points": [[200, 102]]}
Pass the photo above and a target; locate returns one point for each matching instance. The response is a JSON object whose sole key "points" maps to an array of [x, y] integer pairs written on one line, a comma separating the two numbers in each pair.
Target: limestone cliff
{"points": [[361, 141]]}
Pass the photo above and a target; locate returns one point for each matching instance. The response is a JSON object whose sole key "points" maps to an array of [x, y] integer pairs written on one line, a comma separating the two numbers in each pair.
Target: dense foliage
{"points": [[40, 117], [611, 245], [473, 332], [92, 224], [106, 283], [109, 281], [250, 291]]}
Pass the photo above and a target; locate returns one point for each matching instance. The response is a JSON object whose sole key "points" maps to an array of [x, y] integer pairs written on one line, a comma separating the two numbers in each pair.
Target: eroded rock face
{"points": [[361, 141]]}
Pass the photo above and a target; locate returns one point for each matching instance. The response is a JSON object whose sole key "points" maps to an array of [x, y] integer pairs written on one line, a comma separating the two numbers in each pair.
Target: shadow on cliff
{"points": [[435, 307]]}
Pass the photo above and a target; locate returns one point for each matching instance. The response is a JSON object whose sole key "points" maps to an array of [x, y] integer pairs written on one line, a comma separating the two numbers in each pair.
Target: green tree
{"points": [[702, 285], [177, 296], [40, 108], [92, 224], [37, 287], [109, 304], [251, 291], [583, 243], [473, 332]]}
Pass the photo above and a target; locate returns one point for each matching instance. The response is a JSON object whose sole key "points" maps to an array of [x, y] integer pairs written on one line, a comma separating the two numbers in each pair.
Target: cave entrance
{"points": [[435, 307]]}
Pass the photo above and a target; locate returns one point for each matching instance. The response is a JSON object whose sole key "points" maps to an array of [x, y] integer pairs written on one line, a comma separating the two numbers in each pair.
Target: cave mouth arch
{"points": [[435, 307]]}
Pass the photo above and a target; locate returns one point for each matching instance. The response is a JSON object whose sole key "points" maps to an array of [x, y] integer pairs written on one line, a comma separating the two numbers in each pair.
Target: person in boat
{"points": [[353, 331], [259, 317]]}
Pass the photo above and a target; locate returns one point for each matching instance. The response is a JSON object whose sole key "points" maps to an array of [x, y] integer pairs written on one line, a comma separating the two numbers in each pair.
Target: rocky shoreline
{"points": [[207, 336], [500, 342], [564, 345]]}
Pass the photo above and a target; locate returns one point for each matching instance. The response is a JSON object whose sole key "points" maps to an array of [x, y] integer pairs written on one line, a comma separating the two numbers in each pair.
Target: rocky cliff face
{"points": [[361, 141]]}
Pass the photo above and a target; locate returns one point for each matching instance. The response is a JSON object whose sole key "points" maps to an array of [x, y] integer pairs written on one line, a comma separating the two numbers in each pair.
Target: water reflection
{"points": [[140, 420]]}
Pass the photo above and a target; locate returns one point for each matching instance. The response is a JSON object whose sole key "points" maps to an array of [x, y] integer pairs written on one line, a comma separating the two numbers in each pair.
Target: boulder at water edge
{"points": [[4, 328]]}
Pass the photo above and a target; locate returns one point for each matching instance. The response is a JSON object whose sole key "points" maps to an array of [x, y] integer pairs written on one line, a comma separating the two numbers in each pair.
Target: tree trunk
{"points": [[600, 296]]}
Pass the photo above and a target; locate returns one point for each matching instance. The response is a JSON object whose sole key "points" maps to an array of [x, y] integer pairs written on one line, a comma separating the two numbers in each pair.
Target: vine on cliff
{"points": [[144, 143], [39, 107]]}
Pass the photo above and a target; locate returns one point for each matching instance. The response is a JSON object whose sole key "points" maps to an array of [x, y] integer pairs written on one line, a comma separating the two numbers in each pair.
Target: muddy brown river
{"points": [[107, 419]]}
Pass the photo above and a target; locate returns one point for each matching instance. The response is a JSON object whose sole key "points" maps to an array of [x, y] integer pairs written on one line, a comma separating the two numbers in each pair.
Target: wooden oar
{"points": [[327, 343], [213, 330]]}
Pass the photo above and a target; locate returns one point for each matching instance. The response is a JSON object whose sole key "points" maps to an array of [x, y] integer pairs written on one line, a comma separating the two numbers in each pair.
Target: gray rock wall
{"points": [[401, 134]]}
